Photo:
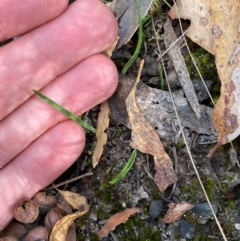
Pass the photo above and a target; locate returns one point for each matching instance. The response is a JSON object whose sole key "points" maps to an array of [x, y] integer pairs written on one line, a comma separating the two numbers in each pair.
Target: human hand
{"points": [[57, 52]]}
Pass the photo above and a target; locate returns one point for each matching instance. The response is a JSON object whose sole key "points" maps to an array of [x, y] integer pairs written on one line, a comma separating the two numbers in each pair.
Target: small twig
{"points": [[171, 45], [71, 180]]}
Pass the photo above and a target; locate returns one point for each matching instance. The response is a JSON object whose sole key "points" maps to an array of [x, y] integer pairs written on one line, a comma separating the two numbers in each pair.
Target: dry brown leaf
{"points": [[175, 211], [126, 14], [60, 230], [226, 44], [145, 139], [103, 119], [215, 25], [102, 124], [109, 50], [197, 12], [76, 200], [115, 220]]}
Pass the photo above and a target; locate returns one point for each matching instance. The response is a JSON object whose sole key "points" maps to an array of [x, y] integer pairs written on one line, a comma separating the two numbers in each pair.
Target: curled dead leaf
{"points": [[76, 200], [115, 220], [175, 211], [102, 125], [145, 139], [60, 230]]}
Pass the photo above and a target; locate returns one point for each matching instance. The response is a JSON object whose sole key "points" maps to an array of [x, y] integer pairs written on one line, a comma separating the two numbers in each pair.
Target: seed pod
{"points": [[26, 211], [13, 229], [63, 204], [45, 201], [38, 233], [53, 216], [10, 239]]}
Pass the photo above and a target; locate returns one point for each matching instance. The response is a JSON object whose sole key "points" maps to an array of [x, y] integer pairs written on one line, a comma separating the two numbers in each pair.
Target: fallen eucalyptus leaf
{"points": [[115, 220], [175, 211], [126, 13], [145, 139], [76, 200], [60, 229], [215, 27]]}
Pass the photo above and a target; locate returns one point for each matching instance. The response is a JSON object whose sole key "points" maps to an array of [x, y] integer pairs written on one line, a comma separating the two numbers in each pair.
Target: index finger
{"points": [[18, 17]]}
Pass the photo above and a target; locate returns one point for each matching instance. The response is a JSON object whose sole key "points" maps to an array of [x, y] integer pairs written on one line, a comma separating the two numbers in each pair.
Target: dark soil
{"points": [[137, 189]]}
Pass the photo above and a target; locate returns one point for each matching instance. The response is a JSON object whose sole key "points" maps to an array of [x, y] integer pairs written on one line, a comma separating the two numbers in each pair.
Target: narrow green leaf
{"points": [[139, 43], [160, 70], [65, 112], [169, 5], [126, 168]]}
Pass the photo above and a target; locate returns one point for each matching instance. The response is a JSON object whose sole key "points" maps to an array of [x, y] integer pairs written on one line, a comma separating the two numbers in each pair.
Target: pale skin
{"points": [[57, 53]]}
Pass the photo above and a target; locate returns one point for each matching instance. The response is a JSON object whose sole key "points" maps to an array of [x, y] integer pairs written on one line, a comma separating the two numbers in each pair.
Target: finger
{"points": [[18, 17], [38, 165], [85, 28], [84, 86]]}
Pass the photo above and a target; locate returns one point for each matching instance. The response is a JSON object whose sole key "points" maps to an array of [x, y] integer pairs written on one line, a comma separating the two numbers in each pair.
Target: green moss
{"points": [[92, 237], [210, 186], [180, 144], [143, 232], [155, 193], [101, 214], [231, 204], [204, 61], [191, 190]]}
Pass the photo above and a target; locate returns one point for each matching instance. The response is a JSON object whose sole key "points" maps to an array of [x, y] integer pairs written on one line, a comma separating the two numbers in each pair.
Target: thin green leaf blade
{"points": [[126, 168], [139, 43], [65, 111]]}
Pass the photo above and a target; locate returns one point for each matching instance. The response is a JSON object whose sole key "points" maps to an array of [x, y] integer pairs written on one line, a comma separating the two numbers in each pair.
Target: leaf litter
{"points": [[77, 201], [145, 139], [115, 220], [156, 106], [126, 13], [216, 28], [175, 211]]}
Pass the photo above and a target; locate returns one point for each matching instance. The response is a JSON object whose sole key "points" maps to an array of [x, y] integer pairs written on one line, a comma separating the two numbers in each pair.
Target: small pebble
{"points": [[237, 226], [155, 208], [200, 89], [93, 216], [203, 211], [186, 230], [170, 230]]}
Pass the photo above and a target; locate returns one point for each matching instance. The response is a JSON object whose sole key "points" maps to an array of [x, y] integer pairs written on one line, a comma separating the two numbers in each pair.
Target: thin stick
{"points": [[185, 141], [71, 180], [172, 44]]}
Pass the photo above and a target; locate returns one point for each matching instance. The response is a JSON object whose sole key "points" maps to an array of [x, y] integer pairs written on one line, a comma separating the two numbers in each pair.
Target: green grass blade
{"points": [[139, 43], [126, 168], [65, 112], [169, 5]]}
